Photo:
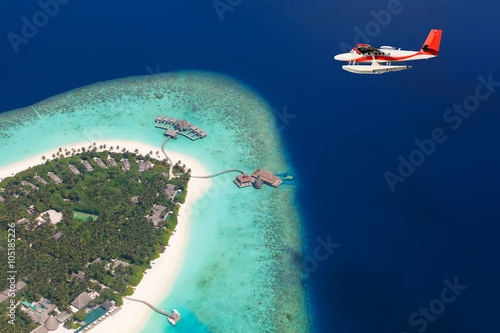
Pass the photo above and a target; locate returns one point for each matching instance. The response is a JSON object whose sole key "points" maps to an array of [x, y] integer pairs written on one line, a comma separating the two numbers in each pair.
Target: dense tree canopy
{"points": [[100, 221]]}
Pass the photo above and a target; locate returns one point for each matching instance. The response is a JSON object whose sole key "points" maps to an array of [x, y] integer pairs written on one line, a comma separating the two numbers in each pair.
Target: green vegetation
{"points": [[100, 221]]}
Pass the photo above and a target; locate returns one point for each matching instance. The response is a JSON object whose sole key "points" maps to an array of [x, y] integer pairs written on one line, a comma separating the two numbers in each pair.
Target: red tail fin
{"points": [[431, 44]]}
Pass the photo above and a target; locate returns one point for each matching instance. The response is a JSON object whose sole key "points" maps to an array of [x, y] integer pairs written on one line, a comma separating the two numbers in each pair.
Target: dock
{"points": [[173, 318]]}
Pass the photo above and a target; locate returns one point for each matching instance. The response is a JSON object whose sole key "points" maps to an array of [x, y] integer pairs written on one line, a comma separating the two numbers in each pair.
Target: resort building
{"points": [[54, 177], [31, 210], [1, 199], [41, 180], [51, 214], [57, 235], [159, 214], [100, 163], [40, 329], [112, 162], [107, 305], [144, 165], [74, 276], [243, 180], [87, 165], [172, 191], [51, 324], [117, 263], [267, 177], [126, 164], [27, 183], [182, 125], [17, 287], [171, 133], [22, 221], [63, 316], [81, 301], [73, 169], [39, 312], [257, 183]]}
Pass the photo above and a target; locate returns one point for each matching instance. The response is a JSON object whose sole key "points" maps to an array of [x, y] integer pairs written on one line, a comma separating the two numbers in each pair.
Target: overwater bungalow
{"points": [[257, 183], [267, 177], [182, 125], [243, 180], [166, 120], [171, 133], [159, 118], [193, 128], [174, 317], [173, 120], [73, 169], [203, 134]]}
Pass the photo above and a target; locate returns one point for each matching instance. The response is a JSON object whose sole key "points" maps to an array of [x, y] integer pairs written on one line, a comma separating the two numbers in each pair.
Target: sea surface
{"points": [[391, 250]]}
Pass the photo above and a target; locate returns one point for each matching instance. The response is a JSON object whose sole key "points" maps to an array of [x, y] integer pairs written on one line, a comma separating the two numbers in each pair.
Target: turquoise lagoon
{"points": [[243, 266]]}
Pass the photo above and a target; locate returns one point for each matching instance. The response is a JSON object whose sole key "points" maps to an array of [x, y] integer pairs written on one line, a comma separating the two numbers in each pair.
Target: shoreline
{"points": [[158, 281]]}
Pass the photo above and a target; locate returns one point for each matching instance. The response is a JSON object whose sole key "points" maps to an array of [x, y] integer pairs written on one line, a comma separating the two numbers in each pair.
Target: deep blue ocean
{"points": [[424, 257]]}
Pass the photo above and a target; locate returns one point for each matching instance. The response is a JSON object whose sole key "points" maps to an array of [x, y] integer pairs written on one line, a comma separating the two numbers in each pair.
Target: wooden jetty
{"points": [[173, 318]]}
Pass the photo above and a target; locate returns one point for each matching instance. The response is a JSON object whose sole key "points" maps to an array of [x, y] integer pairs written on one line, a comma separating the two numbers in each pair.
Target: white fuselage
{"points": [[383, 56]]}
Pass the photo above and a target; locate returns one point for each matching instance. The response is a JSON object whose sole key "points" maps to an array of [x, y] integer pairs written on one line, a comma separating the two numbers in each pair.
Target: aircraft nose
{"points": [[340, 57]]}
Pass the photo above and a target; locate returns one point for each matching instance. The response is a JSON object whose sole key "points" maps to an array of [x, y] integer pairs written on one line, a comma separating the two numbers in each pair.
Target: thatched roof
{"points": [[182, 125], [106, 305], [40, 329], [81, 301], [51, 323], [257, 183]]}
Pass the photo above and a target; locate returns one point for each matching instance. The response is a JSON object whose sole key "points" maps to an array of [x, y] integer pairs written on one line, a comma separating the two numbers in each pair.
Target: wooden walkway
{"points": [[220, 173], [152, 307], [210, 176]]}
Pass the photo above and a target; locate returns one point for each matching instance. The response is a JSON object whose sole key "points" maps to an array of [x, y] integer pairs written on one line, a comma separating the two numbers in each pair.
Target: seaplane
{"points": [[382, 58]]}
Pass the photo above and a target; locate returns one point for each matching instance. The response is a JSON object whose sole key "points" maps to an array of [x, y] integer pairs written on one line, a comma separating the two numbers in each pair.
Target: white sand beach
{"points": [[159, 280]]}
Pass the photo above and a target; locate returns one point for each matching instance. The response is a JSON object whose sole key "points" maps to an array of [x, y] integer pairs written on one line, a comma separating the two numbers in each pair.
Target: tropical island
{"points": [[88, 224]]}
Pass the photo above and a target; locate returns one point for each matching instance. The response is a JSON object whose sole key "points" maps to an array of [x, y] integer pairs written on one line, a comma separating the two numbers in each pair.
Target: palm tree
{"points": [[136, 151], [54, 155], [44, 158], [104, 146]]}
